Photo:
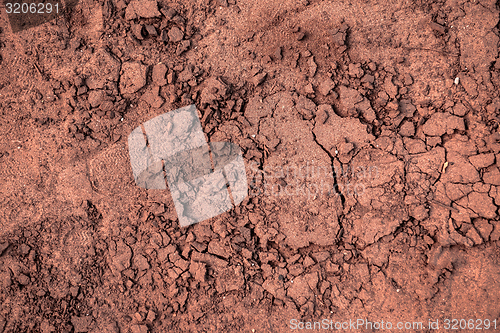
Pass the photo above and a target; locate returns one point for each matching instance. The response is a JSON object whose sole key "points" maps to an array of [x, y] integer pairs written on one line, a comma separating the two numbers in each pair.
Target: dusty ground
{"points": [[370, 130]]}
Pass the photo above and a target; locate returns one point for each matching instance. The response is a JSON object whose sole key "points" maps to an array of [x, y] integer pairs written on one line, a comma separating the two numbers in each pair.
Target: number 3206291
{"points": [[471, 324], [31, 8]]}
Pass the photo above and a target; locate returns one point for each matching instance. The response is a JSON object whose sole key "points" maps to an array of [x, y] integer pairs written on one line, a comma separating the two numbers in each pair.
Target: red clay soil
{"points": [[370, 132]]}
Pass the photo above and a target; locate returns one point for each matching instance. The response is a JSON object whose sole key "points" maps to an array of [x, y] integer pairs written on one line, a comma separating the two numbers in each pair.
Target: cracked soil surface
{"points": [[370, 133]]}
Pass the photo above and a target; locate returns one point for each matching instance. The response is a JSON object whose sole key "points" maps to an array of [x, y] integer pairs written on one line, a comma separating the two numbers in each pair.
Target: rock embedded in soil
{"points": [[295, 269], [275, 287], [441, 123], [349, 97], [217, 248], [23, 279], [158, 75], [339, 36], [151, 30], [430, 162], [461, 144], [473, 235], [214, 90], [337, 129], [482, 160], [469, 84], [121, 257], [152, 97], [309, 89], [306, 107], [414, 146], [95, 98], [312, 66], [326, 86], [368, 78], [5, 279], [81, 90], [3, 247], [164, 36], [482, 204], [137, 30], [390, 88], [407, 129], [133, 77], [277, 55], [142, 9], [209, 259], [492, 176], [437, 27], [175, 35], [179, 21], [366, 110], [483, 227], [459, 170], [258, 78], [303, 288], [141, 262], [168, 12], [183, 46], [185, 75], [24, 249], [198, 270], [322, 115], [355, 70]]}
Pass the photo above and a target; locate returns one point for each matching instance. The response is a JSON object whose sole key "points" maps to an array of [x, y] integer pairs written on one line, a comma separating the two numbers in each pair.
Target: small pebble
{"points": [[151, 30]]}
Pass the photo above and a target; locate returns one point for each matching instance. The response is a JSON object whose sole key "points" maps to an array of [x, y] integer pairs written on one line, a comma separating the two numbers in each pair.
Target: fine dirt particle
{"points": [[101, 70], [81, 324], [139, 329], [230, 279]]}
